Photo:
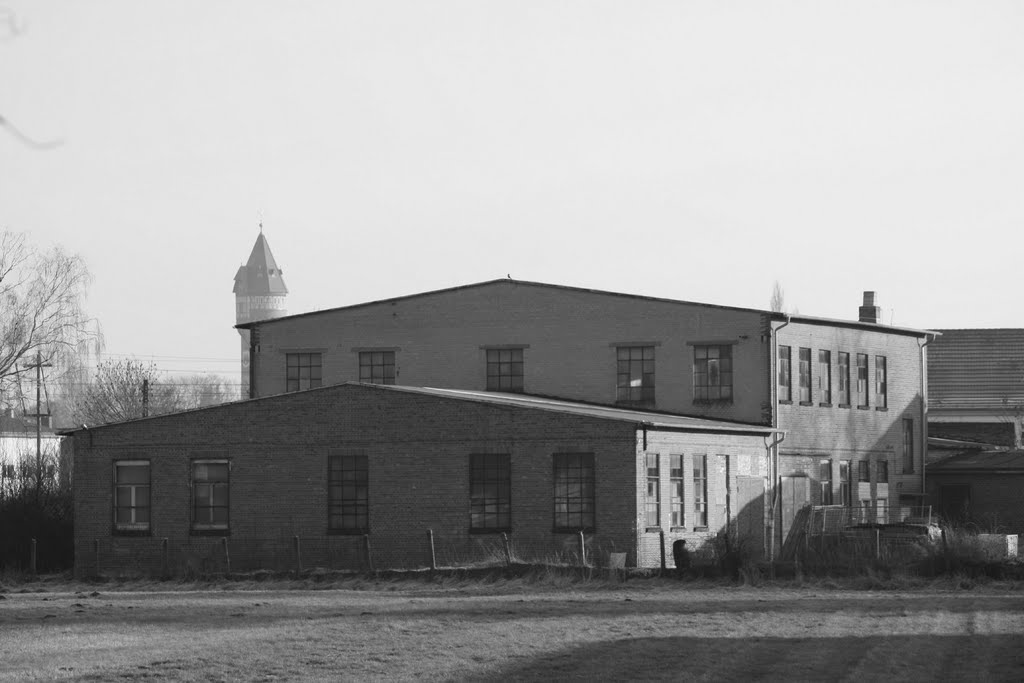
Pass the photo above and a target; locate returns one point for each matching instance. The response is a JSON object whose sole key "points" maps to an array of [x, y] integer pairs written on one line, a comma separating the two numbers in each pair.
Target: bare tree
{"points": [[41, 313], [777, 303], [198, 390]]}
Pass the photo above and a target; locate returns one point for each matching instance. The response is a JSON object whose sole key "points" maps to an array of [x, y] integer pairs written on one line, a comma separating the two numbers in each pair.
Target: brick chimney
{"points": [[869, 312]]}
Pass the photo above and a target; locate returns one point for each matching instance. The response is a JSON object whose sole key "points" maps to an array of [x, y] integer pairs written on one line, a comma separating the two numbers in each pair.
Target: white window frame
{"points": [[193, 484], [133, 525]]}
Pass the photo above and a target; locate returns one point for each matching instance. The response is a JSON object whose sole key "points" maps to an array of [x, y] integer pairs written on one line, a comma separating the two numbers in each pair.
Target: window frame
{"points": [[516, 369], [343, 509], [706, 367], [133, 527], [785, 378], [863, 401], [500, 499], [652, 501], [585, 503], [825, 483], [805, 376], [846, 483], [627, 393], [881, 383], [677, 496], [368, 370], [700, 493], [298, 382], [908, 445], [825, 378], [844, 379], [881, 471], [863, 471], [197, 527]]}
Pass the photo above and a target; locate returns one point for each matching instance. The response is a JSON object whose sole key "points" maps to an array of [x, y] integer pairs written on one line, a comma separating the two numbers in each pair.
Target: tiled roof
{"points": [[976, 368], [980, 461], [260, 275]]}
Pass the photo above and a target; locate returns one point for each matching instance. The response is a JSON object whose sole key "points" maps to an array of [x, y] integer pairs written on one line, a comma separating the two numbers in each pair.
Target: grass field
{"points": [[509, 630]]}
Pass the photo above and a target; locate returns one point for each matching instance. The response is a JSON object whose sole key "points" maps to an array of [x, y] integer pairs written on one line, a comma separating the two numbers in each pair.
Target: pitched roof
{"points": [[639, 297], [521, 401], [980, 462], [976, 368], [260, 275]]}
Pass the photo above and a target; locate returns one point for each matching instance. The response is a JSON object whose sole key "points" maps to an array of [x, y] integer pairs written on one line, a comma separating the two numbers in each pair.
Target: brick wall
{"points": [[569, 335]]}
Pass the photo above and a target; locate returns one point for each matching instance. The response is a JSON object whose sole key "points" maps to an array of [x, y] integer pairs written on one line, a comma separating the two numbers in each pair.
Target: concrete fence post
{"points": [[96, 552], [227, 555], [508, 549], [661, 542], [32, 557], [298, 556], [583, 550], [165, 557], [433, 557], [366, 549]]}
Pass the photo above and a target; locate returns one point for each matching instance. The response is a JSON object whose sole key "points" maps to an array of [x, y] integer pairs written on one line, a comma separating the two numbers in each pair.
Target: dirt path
{"points": [[666, 633]]}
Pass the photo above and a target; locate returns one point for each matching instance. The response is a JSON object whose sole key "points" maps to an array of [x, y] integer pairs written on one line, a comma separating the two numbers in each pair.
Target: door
{"points": [[750, 514], [795, 495]]}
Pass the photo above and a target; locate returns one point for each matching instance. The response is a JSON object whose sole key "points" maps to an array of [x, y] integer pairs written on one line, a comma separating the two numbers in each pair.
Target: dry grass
{"points": [[554, 626]]}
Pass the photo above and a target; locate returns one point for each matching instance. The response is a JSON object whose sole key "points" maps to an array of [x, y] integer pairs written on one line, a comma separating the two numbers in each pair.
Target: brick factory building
{"points": [[344, 464]]}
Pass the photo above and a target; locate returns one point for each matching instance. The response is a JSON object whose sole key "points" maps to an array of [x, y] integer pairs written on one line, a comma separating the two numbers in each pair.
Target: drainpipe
{"points": [[924, 410], [772, 450]]}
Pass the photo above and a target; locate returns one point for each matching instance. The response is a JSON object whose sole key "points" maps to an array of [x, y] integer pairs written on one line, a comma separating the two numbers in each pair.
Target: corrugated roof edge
{"points": [[773, 315], [597, 411]]}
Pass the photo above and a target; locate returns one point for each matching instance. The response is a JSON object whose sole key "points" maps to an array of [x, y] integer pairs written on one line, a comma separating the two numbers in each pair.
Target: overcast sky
{"points": [[691, 150]]}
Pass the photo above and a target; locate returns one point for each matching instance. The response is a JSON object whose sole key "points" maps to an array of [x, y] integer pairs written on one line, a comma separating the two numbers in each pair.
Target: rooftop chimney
{"points": [[869, 312]]}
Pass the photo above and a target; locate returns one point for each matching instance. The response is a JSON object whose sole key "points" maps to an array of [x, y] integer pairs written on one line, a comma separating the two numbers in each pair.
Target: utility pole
{"points": [[145, 398], [39, 365]]}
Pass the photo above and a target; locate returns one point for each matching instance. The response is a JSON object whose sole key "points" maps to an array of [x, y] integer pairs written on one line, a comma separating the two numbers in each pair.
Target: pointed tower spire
{"points": [[259, 295]]}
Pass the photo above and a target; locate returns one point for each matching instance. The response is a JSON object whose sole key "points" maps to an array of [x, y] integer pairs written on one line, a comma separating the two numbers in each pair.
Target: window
{"points": [[844, 379], [881, 383], [635, 379], [653, 491], [805, 375], [377, 367], [908, 445], [864, 471], [305, 371], [574, 491], [505, 370], [825, 481], [676, 479], [862, 380], [490, 492], [845, 489], [882, 510], [712, 373], [882, 472], [825, 376], [210, 495], [700, 490], [348, 494], [131, 495], [785, 375]]}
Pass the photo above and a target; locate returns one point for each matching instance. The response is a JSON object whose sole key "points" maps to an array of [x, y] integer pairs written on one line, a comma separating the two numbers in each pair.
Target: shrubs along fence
{"points": [[36, 519]]}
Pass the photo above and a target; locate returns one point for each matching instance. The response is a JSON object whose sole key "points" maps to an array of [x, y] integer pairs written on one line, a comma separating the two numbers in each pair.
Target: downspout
{"points": [[772, 450], [924, 412], [254, 346]]}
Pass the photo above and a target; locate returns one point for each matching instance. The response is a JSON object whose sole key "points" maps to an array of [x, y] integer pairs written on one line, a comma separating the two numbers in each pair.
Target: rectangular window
{"points": [[700, 490], [882, 510], [131, 495], [304, 371], [653, 491], [676, 479], [574, 491], [210, 495], [490, 492], [785, 374], [862, 380], [881, 383], [825, 481], [864, 471], [377, 367], [825, 376], [712, 373], [844, 379], [805, 375], [635, 375], [908, 445], [882, 472], [505, 370], [845, 488], [348, 494]]}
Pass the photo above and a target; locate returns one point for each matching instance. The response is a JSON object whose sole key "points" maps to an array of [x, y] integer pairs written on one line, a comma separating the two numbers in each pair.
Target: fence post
{"points": [[366, 548], [32, 557], [227, 555], [878, 543], [298, 557], [96, 548], [433, 558], [661, 538], [583, 550], [508, 549], [164, 553]]}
